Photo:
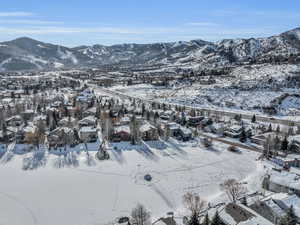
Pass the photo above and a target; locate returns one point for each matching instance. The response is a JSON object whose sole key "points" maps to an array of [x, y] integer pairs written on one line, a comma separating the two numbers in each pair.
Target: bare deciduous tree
{"points": [[134, 130], [193, 203], [140, 215], [233, 189]]}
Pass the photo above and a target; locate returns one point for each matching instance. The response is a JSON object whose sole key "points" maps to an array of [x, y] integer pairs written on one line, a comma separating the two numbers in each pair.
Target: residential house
{"points": [[291, 160], [67, 122], [261, 139], [185, 134], [295, 143], [285, 201], [274, 206], [238, 214], [124, 120], [271, 110], [88, 134], [283, 181], [174, 129], [148, 132], [88, 121], [61, 136], [217, 128], [194, 121], [14, 121], [233, 131], [27, 114], [90, 112], [121, 133]]}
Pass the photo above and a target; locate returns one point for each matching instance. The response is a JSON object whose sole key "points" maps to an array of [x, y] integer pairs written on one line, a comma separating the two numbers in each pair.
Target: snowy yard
{"points": [[79, 190]]}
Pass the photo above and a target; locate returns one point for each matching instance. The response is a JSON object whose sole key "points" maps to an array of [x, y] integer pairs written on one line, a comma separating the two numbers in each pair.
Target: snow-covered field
{"points": [[79, 190]]}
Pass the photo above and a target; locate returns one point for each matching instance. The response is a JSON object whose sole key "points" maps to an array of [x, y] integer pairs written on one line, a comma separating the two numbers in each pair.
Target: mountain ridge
{"points": [[25, 53]]}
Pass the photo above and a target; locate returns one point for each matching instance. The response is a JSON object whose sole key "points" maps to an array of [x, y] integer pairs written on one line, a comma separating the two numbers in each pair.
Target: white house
{"points": [[88, 134]]}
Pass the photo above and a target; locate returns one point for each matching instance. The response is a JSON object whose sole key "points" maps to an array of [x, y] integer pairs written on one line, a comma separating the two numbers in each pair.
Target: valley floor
{"points": [[77, 189]]}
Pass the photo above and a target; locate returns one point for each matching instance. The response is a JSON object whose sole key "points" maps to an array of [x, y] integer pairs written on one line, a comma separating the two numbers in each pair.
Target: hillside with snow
{"points": [[28, 54]]}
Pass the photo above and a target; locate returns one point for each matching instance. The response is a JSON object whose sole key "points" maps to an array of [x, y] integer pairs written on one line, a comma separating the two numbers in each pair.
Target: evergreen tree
{"points": [[278, 129], [290, 131], [244, 201], [216, 219], [284, 144], [206, 220], [270, 128], [134, 130], [156, 117], [277, 143], [253, 120], [194, 220], [290, 218], [243, 136], [148, 115]]}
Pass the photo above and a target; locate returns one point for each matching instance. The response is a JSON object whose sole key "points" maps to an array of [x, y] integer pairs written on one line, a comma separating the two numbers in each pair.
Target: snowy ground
{"points": [[218, 95], [79, 190]]}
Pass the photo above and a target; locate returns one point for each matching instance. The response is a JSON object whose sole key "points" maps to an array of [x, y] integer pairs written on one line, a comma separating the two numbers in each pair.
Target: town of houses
{"points": [[57, 114]]}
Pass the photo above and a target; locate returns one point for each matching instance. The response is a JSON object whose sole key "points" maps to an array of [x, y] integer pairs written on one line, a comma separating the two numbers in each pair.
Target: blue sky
{"points": [[86, 22]]}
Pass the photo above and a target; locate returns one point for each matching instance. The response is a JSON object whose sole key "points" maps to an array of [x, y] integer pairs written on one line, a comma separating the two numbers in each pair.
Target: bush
{"points": [[232, 148], [207, 142]]}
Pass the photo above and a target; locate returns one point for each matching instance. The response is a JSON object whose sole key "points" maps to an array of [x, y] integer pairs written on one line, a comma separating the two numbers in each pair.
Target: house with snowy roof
{"points": [[87, 121], [285, 201], [88, 134], [67, 122], [121, 133], [149, 132], [283, 181], [295, 143], [238, 214]]}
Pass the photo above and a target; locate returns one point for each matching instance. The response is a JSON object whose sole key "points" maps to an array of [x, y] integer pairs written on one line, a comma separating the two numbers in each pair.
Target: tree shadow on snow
{"points": [[69, 159], [6, 156], [147, 153], [37, 160], [176, 147], [90, 160], [117, 155], [213, 149]]}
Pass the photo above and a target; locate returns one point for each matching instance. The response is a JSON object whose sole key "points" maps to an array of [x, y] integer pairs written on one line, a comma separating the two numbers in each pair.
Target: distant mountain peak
{"points": [[27, 53]]}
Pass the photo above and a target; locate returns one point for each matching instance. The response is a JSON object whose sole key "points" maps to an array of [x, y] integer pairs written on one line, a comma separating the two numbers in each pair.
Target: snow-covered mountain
{"points": [[26, 53]]}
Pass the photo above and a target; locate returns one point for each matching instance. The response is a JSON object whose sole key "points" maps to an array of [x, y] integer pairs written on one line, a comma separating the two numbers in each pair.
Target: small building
{"points": [[149, 132], [271, 110], [67, 122], [124, 120], [88, 121], [14, 121], [295, 143], [103, 81], [194, 121], [61, 136], [185, 134], [291, 160], [90, 112], [28, 114], [283, 181], [234, 131], [285, 201], [121, 133], [238, 214], [174, 129], [261, 139], [88, 134]]}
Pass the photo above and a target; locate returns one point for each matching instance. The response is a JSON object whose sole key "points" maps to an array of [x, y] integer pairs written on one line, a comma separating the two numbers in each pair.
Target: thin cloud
{"points": [[255, 13], [30, 22], [16, 14], [201, 24], [67, 30]]}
